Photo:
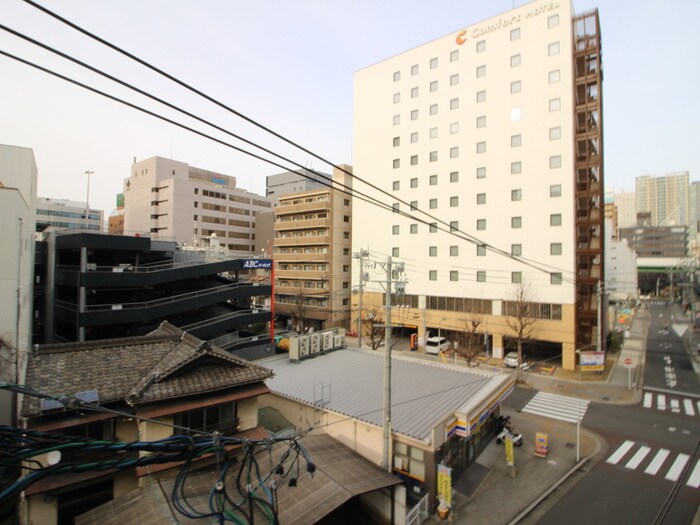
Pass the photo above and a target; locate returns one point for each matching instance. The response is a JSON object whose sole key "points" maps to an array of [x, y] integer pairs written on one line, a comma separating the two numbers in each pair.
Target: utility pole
{"points": [[361, 255], [599, 342], [87, 201]]}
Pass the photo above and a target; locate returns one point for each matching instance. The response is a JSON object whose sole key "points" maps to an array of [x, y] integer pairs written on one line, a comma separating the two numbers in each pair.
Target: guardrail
{"points": [[218, 319], [152, 267]]}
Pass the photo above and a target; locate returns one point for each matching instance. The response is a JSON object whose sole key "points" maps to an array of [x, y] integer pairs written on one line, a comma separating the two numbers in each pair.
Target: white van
{"points": [[435, 345]]}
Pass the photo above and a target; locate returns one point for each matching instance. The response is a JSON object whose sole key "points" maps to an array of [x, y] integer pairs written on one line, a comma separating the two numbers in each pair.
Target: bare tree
{"points": [[299, 313], [468, 341], [521, 318], [375, 323]]}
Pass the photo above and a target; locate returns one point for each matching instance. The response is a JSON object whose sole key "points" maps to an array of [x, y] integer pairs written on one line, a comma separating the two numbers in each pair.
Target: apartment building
{"points": [[64, 214], [665, 197], [489, 141], [626, 207], [312, 256], [172, 200]]}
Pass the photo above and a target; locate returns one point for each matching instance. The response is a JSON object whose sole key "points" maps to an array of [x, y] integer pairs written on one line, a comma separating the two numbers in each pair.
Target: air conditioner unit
{"points": [[327, 340], [315, 343], [303, 346], [338, 341]]}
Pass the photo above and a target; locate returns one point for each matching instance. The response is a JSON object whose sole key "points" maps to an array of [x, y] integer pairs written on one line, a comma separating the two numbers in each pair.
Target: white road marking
{"points": [[637, 458], [677, 467], [656, 463], [648, 399], [620, 452], [688, 406], [694, 479]]}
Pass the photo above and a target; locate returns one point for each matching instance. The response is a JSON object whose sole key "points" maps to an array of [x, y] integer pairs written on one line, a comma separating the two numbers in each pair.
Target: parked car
{"points": [[435, 345], [511, 360]]}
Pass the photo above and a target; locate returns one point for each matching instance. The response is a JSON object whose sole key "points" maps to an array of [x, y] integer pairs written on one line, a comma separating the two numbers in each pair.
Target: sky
{"points": [[289, 66]]}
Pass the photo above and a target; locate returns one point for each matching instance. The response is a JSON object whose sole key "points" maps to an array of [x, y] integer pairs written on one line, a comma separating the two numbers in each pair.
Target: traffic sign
{"points": [[628, 361]]}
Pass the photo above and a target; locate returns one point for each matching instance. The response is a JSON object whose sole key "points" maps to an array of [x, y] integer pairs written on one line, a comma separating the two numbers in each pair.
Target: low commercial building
{"points": [[64, 214]]}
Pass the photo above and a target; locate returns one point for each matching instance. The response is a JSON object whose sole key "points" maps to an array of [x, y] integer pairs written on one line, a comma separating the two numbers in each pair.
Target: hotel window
{"points": [[454, 251], [432, 251], [454, 202], [553, 49], [481, 224], [454, 128], [454, 152], [414, 228], [553, 21], [481, 46], [454, 176], [454, 226], [515, 60], [432, 204], [516, 222], [394, 252], [433, 86], [516, 141], [432, 275], [433, 156], [433, 109], [433, 227], [414, 92], [515, 86], [481, 276], [516, 249], [433, 180], [554, 76], [555, 133], [555, 278], [397, 76], [454, 55], [454, 275], [516, 194], [516, 167], [414, 183], [414, 205], [481, 121], [555, 248], [516, 277], [480, 96], [454, 80], [433, 133], [346, 267], [397, 98], [433, 63], [414, 160], [481, 173], [481, 71], [414, 137], [481, 198], [454, 103], [396, 163], [397, 141], [414, 70], [481, 147], [555, 219], [555, 190], [515, 34], [395, 207], [397, 120], [555, 161], [480, 250], [395, 229], [396, 185], [554, 104], [414, 114]]}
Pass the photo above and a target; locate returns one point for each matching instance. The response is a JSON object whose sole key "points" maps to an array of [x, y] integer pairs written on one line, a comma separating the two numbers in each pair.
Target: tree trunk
{"points": [[520, 360]]}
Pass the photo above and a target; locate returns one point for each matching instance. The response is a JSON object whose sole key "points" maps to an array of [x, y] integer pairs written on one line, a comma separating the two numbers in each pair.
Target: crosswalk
{"points": [[554, 406], [676, 404], [631, 455]]}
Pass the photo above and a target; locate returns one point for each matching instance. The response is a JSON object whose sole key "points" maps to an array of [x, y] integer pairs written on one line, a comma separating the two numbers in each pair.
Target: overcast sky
{"points": [[289, 65]]}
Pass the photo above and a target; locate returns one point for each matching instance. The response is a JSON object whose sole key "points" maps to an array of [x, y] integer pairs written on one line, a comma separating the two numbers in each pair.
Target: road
{"points": [[650, 444]]}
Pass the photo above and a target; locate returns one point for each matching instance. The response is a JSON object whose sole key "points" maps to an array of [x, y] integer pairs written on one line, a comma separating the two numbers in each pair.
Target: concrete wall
{"points": [[247, 413]]}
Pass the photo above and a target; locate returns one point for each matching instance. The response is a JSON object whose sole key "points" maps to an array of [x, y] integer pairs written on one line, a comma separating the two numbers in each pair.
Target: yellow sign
{"points": [[541, 445], [444, 484], [510, 461]]}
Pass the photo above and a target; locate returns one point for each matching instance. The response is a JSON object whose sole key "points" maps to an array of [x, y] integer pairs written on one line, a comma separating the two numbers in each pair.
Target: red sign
{"points": [[628, 361]]}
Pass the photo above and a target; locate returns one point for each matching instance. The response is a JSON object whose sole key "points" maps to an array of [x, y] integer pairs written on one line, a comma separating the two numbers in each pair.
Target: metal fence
{"points": [[419, 513]]}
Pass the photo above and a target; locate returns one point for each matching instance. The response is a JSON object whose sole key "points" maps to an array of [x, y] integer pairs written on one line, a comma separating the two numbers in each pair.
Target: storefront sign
{"points": [[510, 460], [541, 445], [444, 484], [257, 264], [592, 361]]}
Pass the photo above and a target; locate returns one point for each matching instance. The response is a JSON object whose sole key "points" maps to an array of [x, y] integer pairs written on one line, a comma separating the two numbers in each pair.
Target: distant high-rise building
{"points": [[489, 141], [694, 212], [626, 205], [172, 200], [294, 182], [665, 197], [64, 214]]}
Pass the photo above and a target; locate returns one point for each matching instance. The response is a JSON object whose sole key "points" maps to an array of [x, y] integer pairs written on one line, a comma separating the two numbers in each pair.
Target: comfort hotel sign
{"points": [[504, 21]]}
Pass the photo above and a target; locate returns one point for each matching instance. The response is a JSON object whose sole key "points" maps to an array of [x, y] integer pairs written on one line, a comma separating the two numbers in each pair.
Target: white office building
{"points": [[172, 200], [64, 214], [488, 141]]}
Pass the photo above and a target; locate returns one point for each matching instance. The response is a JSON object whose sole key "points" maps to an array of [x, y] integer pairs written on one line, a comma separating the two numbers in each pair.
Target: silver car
{"points": [[511, 360]]}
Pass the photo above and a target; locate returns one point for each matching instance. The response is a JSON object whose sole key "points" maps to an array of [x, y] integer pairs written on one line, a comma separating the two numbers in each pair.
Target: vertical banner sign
{"points": [[509, 452], [541, 444], [444, 484]]}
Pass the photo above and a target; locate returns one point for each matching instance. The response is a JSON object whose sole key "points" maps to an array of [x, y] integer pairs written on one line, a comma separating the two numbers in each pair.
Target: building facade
{"points": [[116, 218], [294, 182], [63, 214], [657, 241], [626, 206], [312, 256], [172, 200], [489, 143], [621, 282], [666, 198], [18, 180]]}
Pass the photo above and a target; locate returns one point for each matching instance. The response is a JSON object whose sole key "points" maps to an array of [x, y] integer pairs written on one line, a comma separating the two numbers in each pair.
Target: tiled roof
{"points": [[352, 382], [164, 364]]}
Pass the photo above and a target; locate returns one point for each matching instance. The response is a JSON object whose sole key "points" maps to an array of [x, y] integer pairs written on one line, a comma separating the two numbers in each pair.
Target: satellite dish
{"points": [[53, 457]]}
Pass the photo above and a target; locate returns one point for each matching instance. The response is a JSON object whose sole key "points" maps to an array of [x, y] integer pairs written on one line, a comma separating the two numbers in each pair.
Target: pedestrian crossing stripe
{"points": [[673, 471], [682, 405], [563, 408]]}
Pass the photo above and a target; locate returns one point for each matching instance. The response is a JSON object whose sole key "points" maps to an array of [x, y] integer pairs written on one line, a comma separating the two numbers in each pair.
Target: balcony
{"points": [[303, 224], [303, 207], [302, 241], [303, 257]]}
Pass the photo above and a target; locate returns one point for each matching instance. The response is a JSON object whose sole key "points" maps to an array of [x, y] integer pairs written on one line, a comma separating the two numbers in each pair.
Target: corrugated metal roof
{"points": [[423, 393]]}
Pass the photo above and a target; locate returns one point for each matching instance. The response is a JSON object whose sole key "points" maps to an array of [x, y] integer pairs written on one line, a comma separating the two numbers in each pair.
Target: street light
{"points": [[87, 201]]}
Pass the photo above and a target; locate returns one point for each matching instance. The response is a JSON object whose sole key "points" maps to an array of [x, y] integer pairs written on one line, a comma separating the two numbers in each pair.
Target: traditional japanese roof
{"points": [[164, 364]]}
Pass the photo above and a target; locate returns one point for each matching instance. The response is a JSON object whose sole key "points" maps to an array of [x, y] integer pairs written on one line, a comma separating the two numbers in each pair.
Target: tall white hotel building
{"points": [[495, 132]]}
